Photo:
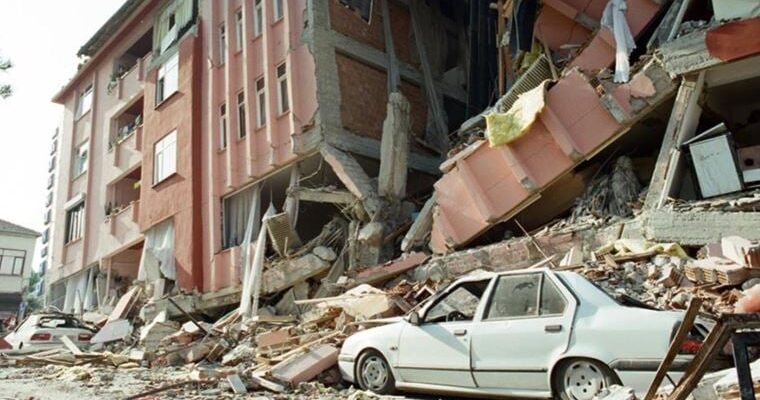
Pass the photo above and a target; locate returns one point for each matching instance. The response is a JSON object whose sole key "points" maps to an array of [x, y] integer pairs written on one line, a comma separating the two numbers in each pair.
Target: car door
{"points": [[437, 350], [526, 324]]}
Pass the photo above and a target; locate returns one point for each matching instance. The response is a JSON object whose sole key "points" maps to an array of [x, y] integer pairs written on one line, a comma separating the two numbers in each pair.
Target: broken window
{"points": [[236, 210], [459, 304], [168, 78], [283, 103], [165, 157], [241, 115], [258, 18], [12, 261], [74, 222], [80, 159], [223, 126], [84, 103], [362, 7], [171, 22], [239, 30], [518, 296], [261, 103], [515, 296]]}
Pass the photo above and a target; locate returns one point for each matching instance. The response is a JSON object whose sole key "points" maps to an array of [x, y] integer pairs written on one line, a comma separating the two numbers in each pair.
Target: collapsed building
{"points": [[265, 156]]}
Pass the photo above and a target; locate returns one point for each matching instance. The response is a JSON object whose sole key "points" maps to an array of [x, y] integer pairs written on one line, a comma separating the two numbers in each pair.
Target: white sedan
{"points": [[44, 331], [529, 333]]}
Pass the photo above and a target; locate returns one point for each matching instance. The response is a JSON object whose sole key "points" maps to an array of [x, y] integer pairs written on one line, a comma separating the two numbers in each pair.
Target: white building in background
{"points": [[16, 253]]}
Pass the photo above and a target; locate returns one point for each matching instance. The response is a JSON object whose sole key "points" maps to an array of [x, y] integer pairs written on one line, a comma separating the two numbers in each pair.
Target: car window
{"points": [[515, 296], [459, 304], [58, 323], [552, 301]]}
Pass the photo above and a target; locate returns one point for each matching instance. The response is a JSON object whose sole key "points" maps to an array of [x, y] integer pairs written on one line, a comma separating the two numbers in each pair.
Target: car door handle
{"points": [[460, 332], [553, 328]]}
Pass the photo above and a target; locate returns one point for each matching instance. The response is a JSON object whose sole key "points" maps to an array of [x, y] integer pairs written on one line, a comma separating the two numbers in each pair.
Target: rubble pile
{"points": [[662, 275]]}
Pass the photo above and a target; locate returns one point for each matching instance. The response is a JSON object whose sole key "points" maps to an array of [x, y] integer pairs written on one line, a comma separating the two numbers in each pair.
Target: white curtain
{"points": [[157, 260], [238, 210], [249, 303], [291, 202], [613, 19]]}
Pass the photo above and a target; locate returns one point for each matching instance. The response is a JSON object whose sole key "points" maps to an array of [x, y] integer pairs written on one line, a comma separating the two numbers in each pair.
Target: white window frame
{"points": [[222, 43], [84, 102], [223, 126], [279, 10], [165, 157], [13, 259], [261, 102], [167, 82], [283, 99], [239, 30], [81, 159], [74, 222], [241, 115], [258, 17]]}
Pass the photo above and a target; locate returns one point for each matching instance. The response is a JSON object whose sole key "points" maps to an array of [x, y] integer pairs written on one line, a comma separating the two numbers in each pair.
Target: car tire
{"points": [[582, 379], [374, 374]]}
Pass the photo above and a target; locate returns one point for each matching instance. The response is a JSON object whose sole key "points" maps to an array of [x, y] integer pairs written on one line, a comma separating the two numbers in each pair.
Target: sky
{"points": [[41, 38]]}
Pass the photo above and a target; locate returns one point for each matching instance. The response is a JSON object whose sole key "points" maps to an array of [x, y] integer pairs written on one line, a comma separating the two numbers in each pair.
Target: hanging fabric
{"points": [[249, 301], [157, 260], [613, 19]]}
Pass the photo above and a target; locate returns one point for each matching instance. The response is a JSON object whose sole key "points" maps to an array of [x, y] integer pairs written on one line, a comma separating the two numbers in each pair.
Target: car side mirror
{"points": [[414, 318]]}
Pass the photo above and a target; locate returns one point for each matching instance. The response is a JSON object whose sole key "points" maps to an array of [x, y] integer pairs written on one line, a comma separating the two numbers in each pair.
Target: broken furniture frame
{"points": [[736, 327]]}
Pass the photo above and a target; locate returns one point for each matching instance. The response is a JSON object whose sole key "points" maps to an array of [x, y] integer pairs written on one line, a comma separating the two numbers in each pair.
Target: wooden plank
{"points": [[683, 330], [325, 196], [714, 342], [71, 346]]}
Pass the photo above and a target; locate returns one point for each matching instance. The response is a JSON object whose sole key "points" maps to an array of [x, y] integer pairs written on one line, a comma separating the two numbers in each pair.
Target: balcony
{"points": [[125, 142], [122, 225], [129, 84], [122, 210]]}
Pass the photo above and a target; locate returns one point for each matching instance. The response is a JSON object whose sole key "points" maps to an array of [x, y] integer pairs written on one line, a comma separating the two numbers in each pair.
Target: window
{"points": [[241, 114], [168, 78], [239, 30], [518, 296], [223, 126], [261, 102], [278, 10], [45, 235], [51, 164], [49, 199], [74, 222], [258, 18], [165, 157], [235, 212], [47, 217], [459, 304], [222, 44], [362, 7], [171, 22], [283, 103], [80, 159], [12, 261], [84, 103], [44, 252]]}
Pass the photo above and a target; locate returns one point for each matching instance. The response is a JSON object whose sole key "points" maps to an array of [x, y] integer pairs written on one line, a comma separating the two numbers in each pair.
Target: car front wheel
{"points": [[374, 373], [582, 379]]}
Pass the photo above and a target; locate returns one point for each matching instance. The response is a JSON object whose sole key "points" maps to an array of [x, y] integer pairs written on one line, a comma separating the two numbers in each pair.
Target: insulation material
{"points": [[158, 254], [362, 302], [281, 233], [614, 20], [502, 128]]}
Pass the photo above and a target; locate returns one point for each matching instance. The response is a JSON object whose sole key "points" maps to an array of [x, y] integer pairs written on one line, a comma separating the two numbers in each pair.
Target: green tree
{"points": [[5, 89]]}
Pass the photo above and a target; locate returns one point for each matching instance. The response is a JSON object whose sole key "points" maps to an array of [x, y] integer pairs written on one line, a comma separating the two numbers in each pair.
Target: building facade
{"points": [[16, 253], [189, 116]]}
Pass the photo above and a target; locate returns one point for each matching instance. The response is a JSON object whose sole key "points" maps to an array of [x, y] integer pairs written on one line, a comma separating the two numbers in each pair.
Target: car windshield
{"points": [[57, 322], [459, 303]]}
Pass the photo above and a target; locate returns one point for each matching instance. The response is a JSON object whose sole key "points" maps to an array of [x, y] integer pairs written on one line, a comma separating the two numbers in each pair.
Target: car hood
{"points": [[381, 338]]}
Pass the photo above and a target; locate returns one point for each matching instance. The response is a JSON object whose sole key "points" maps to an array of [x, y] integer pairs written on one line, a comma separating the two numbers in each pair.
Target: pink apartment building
{"points": [[188, 115]]}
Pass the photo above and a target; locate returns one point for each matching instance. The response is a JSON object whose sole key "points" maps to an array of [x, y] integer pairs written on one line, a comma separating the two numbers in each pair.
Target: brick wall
{"points": [[349, 23], [364, 97]]}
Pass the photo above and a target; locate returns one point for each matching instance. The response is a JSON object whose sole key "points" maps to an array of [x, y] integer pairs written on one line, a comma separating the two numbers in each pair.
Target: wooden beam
{"points": [[334, 196], [675, 345]]}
